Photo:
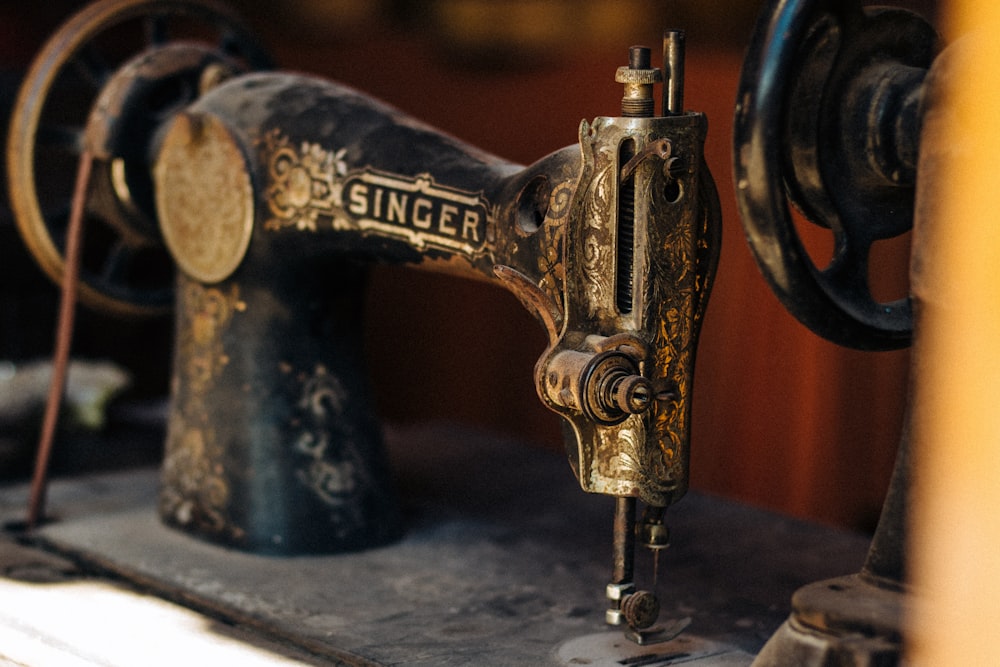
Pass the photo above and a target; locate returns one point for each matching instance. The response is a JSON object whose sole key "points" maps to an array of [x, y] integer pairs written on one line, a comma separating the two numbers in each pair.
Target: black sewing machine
{"points": [[272, 193]]}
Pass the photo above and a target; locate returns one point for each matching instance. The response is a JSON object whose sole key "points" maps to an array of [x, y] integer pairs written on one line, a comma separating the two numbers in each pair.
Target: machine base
{"points": [[504, 562], [847, 621]]}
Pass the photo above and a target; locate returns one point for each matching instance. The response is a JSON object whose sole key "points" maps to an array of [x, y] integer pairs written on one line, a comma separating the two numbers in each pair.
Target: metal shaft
{"points": [[64, 340], [673, 72], [624, 541]]}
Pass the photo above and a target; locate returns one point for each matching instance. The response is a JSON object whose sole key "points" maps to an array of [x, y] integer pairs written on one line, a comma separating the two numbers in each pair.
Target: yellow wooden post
{"points": [[955, 528]]}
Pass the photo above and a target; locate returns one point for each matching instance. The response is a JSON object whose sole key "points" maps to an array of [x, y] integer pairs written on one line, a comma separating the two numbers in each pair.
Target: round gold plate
{"points": [[204, 197]]}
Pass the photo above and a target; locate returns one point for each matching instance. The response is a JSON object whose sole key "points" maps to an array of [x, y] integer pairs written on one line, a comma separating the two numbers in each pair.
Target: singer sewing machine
{"points": [[252, 202], [271, 192]]}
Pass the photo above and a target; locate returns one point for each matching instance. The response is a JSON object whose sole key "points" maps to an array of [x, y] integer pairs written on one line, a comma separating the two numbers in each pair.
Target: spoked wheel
{"points": [[105, 82], [828, 116]]}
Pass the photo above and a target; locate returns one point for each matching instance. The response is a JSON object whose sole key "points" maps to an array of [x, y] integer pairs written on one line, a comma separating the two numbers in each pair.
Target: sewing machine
{"points": [[271, 193]]}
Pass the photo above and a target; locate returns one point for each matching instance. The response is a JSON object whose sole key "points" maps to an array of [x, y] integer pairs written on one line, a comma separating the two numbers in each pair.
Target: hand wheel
{"points": [[105, 82], [828, 116]]}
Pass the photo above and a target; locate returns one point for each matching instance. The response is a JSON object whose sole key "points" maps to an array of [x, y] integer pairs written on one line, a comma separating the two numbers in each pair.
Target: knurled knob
{"points": [[633, 394], [638, 77]]}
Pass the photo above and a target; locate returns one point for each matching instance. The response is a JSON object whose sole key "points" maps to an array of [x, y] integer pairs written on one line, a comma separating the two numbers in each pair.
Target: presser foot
{"points": [[638, 609]]}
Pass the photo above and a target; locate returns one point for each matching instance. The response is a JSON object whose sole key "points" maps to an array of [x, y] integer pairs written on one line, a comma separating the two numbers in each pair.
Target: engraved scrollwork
{"points": [[670, 424], [332, 466], [550, 263], [194, 490], [675, 335], [303, 183], [637, 462], [309, 187], [560, 201], [595, 248], [671, 227], [209, 310]]}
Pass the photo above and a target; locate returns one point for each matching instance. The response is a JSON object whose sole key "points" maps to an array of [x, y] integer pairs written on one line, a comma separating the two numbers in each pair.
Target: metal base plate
{"points": [[504, 563]]}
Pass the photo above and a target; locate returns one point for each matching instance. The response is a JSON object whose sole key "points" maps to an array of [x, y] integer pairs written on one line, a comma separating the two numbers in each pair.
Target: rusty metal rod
{"points": [[624, 541], [63, 342]]}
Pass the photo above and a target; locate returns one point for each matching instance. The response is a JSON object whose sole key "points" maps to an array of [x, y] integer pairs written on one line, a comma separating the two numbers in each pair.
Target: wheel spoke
{"points": [[92, 66], [101, 203], [63, 137], [117, 266], [848, 271], [127, 269]]}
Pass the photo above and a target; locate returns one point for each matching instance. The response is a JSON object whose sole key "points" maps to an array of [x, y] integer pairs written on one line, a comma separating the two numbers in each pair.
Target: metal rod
{"points": [[673, 72], [624, 541], [652, 517], [64, 339]]}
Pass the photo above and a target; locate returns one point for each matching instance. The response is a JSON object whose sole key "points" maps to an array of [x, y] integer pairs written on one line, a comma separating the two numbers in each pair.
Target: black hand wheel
{"points": [[105, 82], [828, 116]]}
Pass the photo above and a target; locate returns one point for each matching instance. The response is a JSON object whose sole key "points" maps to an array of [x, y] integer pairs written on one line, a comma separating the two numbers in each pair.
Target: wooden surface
{"points": [[504, 562], [90, 623]]}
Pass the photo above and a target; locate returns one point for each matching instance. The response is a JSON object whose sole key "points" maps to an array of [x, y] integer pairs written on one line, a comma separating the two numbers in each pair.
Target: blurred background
{"points": [[782, 418]]}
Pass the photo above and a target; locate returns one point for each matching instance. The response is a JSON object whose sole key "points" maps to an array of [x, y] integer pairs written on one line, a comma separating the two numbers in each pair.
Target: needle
{"points": [[656, 567]]}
